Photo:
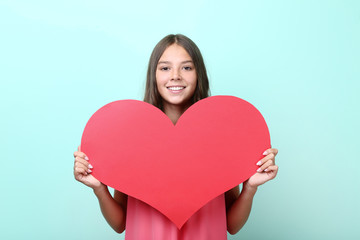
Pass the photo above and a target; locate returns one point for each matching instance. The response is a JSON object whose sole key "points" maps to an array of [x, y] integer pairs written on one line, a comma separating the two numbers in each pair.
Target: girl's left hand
{"points": [[267, 169]]}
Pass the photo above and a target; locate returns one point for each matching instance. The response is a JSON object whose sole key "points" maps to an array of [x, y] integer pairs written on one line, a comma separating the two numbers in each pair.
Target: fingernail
{"points": [[265, 153], [89, 170], [259, 170], [90, 166], [258, 163], [266, 170], [86, 158]]}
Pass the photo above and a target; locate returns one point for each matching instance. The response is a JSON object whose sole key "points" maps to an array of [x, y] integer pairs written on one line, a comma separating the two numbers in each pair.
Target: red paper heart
{"points": [[136, 149]]}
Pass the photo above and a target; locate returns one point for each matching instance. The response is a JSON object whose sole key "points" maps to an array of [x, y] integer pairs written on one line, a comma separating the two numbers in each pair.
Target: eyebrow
{"points": [[167, 62]]}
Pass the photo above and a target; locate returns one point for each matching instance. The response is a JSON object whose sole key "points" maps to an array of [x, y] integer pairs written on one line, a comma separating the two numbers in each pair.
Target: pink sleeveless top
{"points": [[146, 223]]}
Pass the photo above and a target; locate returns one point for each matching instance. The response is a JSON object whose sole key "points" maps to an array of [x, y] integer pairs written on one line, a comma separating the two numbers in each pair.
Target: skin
{"points": [[238, 204], [113, 208], [176, 69]]}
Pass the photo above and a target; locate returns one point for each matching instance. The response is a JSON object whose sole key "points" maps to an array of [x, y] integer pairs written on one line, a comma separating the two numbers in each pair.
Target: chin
{"points": [[178, 102]]}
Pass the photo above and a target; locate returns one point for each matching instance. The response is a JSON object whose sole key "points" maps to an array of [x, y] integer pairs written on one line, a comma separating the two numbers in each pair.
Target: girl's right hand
{"points": [[82, 171]]}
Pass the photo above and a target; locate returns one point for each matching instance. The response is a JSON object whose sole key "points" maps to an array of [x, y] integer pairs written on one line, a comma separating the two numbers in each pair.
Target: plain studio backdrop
{"points": [[298, 62]]}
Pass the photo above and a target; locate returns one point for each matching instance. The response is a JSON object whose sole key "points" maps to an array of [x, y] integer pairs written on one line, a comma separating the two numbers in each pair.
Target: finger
{"points": [[265, 165], [82, 160], [84, 164], [271, 156], [272, 170], [271, 150], [80, 168], [79, 171], [80, 154]]}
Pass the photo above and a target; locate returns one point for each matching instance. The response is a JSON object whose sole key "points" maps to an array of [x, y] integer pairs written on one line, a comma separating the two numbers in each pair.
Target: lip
{"points": [[175, 88]]}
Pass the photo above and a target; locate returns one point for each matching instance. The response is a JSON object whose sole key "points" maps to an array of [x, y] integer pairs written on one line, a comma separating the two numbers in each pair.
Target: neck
{"points": [[174, 111]]}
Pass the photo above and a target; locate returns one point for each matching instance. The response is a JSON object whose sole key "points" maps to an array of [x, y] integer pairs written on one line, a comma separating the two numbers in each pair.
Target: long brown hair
{"points": [[202, 90]]}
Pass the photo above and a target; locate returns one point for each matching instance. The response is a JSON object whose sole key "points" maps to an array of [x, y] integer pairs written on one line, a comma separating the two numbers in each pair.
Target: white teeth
{"points": [[176, 88]]}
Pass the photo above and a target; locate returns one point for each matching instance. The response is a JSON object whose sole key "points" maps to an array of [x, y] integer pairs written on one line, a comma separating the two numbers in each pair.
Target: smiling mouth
{"points": [[177, 88]]}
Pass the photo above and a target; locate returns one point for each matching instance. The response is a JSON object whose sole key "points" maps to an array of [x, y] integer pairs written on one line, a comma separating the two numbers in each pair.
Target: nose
{"points": [[176, 75]]}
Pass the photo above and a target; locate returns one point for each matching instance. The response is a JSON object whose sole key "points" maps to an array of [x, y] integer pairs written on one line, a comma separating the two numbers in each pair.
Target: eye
{"points": [[188, 68], [164, 68]]}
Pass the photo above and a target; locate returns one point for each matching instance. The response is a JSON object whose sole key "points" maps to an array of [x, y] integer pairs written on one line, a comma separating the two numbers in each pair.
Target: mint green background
{"points": [[298, 62]]}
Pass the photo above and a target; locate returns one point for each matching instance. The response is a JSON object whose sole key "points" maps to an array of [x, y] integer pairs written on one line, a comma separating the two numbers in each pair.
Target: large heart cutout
{"points": [[136, 149]]}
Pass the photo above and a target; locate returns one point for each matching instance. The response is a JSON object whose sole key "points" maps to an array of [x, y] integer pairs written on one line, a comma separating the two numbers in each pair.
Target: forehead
{"points": [[175, 53]]}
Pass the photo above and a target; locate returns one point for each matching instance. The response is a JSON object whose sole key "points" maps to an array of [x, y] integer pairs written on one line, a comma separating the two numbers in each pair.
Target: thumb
{"points": [[79, 148]]}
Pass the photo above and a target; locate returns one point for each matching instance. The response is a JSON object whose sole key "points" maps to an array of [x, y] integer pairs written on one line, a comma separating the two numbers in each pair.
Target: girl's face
{"points": [[176, 76]]}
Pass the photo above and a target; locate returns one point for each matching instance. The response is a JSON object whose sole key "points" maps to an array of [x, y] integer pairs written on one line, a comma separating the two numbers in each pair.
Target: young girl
{"points": [[176, 79]]}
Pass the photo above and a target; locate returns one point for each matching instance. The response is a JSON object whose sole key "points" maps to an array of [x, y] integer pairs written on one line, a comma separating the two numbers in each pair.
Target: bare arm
{"points": [[112, 208], [238, 205]]}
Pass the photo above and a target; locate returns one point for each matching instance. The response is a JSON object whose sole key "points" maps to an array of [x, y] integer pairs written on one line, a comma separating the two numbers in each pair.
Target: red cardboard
{"points": [[136, 149]]}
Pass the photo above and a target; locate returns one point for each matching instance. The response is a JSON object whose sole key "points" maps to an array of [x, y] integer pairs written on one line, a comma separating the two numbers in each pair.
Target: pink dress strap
{"points": [[143, 222]]}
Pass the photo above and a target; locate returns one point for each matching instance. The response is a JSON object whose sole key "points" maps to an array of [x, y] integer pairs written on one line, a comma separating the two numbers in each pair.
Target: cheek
{"points": [[194, 81], [160, 79]]}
